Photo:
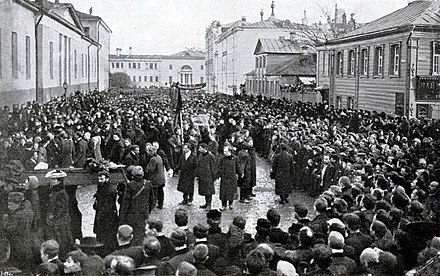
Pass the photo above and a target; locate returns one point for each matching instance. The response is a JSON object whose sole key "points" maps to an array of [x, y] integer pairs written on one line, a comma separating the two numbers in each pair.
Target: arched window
{"points": [[186, 75]]}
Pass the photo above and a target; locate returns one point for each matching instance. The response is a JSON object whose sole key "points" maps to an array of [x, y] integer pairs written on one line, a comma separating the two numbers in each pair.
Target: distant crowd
{"points": [[374, 176]]}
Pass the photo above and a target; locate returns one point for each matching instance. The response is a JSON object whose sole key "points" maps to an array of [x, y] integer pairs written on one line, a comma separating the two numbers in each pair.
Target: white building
{"points": [[186, 67], [230, 48], [44, 45]]}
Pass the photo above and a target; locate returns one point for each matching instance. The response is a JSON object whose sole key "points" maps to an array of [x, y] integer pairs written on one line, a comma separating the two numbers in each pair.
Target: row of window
{"points": [[137, 65], [146, 78], [360, 60], [260, 62], [14, 55], [184, 79]]}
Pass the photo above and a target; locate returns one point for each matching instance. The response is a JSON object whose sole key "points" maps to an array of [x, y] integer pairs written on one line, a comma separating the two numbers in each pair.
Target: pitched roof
{"points": [[157, 57], [277, 46], [415, 13], [297, 65]]}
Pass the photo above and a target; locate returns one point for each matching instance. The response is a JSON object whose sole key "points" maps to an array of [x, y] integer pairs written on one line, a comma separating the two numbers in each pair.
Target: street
{"points": [[258, 207]]}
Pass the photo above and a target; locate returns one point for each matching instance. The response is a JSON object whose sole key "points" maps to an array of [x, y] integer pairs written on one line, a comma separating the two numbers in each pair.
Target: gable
{"points": [[258, 49], [68, 17]]}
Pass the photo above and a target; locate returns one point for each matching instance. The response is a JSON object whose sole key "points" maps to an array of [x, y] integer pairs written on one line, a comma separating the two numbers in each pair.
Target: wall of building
{"points": [[21, 87]]}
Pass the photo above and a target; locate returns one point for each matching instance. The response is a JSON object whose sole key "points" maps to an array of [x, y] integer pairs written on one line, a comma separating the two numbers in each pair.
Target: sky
{"points": [[170, 26]]}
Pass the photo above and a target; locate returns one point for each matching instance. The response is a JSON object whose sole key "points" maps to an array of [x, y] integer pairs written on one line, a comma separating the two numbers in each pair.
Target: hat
{"points": [[15, 197], [178, 237], [370, 255], [125, 231], [286, 269], [336, 240], [137, 171], [200, 230], [89, 242], [54, 174], [200, 252], [214, 215], [105, 173], [33, 181]]}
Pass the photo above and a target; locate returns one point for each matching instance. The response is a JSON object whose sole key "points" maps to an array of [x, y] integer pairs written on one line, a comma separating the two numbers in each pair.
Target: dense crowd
{"points": [[374, 176]]}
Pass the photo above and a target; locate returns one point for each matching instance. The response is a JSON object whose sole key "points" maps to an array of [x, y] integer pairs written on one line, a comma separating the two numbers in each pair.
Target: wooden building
{"points": [[391, 64]]}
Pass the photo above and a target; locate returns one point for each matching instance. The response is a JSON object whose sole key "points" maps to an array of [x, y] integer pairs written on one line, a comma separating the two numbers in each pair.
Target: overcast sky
{"points": [[170, 26]]}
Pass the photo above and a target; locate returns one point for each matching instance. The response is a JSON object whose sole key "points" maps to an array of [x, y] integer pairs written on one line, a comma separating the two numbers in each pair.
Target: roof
{"points": [[297, 65], [415, 13], [277, 46], [190, 53]]}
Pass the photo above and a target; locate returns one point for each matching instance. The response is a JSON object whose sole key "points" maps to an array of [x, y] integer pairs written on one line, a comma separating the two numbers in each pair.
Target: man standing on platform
{"points": [[206, 172]]}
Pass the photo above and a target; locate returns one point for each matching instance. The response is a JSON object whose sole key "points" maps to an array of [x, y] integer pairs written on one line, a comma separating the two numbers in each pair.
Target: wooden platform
{"points": [[76, 176]]}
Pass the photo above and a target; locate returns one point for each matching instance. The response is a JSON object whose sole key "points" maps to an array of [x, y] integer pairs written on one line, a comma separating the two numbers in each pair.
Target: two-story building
{"points": [[281, 63], [186, 67], [45, 46], [391, 64]]}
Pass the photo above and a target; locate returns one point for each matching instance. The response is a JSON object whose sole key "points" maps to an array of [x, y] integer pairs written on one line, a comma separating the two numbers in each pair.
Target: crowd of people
{"points": [[374, 177]]}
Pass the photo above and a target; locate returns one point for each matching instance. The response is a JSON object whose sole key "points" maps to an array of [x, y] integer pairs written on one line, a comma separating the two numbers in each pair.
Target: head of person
{"points": [[274, 217], [322, 256], [256, 262], [200, 231], [186, 148], [267, 250], [125, 234], [378, 229], [127, 142], [336, 240], [178, 238], [155, 224], [103, 177], [137, 172], [352, 221], [286, 269], [239, 221], [151, 247], [203, 148], [263, 227], [135, 149], [200, 253], [227, 151], [49, 250], [320, 205], [301, 211], [186, 269], [181, 217], [119, 265], [305, 236], [74, 261]]}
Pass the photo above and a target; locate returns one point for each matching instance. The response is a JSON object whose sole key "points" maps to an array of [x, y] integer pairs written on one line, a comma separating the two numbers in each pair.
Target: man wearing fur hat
{"points": [[17, 224]]}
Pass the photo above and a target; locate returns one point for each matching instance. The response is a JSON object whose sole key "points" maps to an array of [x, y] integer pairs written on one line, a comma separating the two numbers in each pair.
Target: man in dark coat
{"points": [[132, 158], [155, 173], [80, 151], [117, 149], [206, 173], [200, 255], [167, 248], [244, 180], [228, 172], [183, 253], [283, 171], [106, 217], [253, 180], [126, 247], [67, 151], [187, 167], [17, 226], [136, 204]]}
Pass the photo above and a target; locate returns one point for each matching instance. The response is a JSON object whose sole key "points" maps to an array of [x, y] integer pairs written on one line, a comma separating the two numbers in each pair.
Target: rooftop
{"points": [[277, 46]]}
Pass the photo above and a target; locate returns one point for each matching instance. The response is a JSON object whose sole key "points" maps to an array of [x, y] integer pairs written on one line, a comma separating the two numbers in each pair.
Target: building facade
{"points": [[145, 71], [390, 65], [44, 45]]}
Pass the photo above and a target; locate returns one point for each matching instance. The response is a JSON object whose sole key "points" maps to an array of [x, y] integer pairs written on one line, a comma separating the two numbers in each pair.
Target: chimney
{"points": [[118, 52], [292, 35], [129, 51], [261, 14], [243, 18]]}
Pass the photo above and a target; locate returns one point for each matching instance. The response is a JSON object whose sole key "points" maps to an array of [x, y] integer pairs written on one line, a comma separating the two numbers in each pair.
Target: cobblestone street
{"points": [[258, 207]]}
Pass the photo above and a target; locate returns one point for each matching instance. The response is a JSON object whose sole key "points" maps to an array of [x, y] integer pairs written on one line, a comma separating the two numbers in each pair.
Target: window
{"points": [[28, 57], [170, 79], [378, 60], [339, 63], [129, 65], [151, 78], [75, 65], [122, 65], [117, 64], [338, 102], [155, 66], [201, 79], [394, 59], [264, 62], [350, 103], [171, 67], [134, 78], [256, 62], [14, 55], [202, 67], [140, 78], [364, 62], [139, 66], [134, 65], [324, 64], [51, 60], [436, 58], [113, 64], [351, 63], [157, 78], [82, 65], [151, 65], [145, 78]]}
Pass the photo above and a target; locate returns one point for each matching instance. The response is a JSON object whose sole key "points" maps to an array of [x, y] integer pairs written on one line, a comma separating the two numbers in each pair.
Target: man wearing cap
{"points": [[183, 253], [215, 234], [200, 255], [106, 215], [136, 204], [93, 264], [17, 225], [57, 216], [154, 170], [206, 172]]}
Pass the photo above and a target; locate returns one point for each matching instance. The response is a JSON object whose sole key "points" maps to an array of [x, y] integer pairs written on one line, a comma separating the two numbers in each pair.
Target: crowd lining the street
{"points": [[374, 176]]}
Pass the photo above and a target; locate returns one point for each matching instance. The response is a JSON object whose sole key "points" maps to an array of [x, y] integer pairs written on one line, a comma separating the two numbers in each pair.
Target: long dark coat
{"points": [[244, 161], [187, 173], [58, 219], [206, 172], [283, 169], [253, 181], [228, 171], [106, 217], [155, 171], [67, 151], [135, 208], [18, 228], [80, 153]]}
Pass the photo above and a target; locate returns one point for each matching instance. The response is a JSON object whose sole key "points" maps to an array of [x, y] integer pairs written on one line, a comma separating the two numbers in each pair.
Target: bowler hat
{"points": [[54, 174], [214, 214], [89, 242]]}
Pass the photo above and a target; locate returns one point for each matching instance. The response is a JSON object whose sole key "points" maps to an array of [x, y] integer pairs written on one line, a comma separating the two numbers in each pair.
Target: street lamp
{"points": [[65, 90]]}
